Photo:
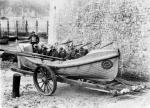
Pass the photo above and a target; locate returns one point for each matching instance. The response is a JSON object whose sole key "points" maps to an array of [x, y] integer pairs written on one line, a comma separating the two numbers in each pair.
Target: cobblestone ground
{"points": [[66, 96]]}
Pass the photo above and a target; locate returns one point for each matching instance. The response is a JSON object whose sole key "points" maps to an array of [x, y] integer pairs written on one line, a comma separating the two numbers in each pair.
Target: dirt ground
{"points": [[66, 96]]}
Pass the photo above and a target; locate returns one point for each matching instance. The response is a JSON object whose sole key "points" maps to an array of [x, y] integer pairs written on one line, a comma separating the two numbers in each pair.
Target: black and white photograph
{"points": [[74, 53]]}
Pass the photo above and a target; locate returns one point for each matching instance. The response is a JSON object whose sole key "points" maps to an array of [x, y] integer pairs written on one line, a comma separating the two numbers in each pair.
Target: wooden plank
{"points": [[36, 26], [17, 29], [125, 82], [82, 84], [32, 55], [22, 71], [0, 30], [47, 27], [26, 27], [7, 27]]}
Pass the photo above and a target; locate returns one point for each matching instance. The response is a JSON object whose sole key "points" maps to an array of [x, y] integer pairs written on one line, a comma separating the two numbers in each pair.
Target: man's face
{"points": [[33, 33]]}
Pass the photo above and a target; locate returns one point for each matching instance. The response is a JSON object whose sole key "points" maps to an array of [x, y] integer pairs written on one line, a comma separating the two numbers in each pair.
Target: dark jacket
{"points": [[34, 39]]}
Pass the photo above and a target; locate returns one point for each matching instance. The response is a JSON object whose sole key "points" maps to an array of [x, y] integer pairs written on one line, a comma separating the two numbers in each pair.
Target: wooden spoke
{"points": [[42, 85], [47, 89], [41, 70], [45, 80], [49, 86]]}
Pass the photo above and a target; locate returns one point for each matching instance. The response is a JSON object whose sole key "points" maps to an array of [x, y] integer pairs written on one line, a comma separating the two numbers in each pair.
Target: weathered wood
{"points": [[125, 82], [33, 55], [82, 84], [108, 88], [26, 27], [86, 44], [7, 27], [36, 26], [0, 29], [16, 86], [17, 29], [24, 72], [47, 28], [106, 45]]}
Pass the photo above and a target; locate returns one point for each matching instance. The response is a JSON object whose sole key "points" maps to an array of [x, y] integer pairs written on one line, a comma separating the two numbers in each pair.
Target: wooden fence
{"points": [[20, 28]]}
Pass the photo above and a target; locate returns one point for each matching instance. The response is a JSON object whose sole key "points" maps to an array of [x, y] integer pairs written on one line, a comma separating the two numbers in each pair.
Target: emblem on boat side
{"points": [[107, 64]]}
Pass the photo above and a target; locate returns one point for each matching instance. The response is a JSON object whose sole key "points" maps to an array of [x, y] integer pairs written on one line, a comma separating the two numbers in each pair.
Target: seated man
{"points": [[49, 53], [53, 52], [82, 51], [36, 49], [71, 53], [44, 51], [62, 53]]}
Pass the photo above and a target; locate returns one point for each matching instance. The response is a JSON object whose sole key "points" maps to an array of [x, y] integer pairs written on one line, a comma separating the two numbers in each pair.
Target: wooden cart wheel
{"points": [[45, 80]]}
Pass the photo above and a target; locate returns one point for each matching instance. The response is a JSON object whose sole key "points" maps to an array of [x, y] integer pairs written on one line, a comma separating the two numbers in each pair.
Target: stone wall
{"points": [[125, 22]]}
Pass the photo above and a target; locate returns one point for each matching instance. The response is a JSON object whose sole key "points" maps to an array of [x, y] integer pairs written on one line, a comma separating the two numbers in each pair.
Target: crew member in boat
{"points": [[49, 53], [40, 48], [44, 50], [53, 52], [71, 53], [62, 53], [36, 48], [82, 52], [34, 39]]}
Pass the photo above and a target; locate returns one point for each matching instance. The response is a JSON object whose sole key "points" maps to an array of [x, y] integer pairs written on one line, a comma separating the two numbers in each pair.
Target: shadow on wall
{"points": [[105, 21]]}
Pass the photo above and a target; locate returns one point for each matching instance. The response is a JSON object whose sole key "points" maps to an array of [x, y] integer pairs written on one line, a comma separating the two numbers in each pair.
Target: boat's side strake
{"points": [[94, 70]]}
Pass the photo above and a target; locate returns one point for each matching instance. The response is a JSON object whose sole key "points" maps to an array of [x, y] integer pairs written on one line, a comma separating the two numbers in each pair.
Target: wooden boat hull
{"points": [[4, 40], [12, 37], [92, 70], [99, 66]]}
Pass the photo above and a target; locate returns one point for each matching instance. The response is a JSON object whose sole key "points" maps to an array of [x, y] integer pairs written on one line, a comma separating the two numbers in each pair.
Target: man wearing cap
{"points": [[62, 53], [34, 39]]}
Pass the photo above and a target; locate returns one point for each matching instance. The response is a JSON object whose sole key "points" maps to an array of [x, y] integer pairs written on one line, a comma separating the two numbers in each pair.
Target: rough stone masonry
{"points": [[125, 22]]}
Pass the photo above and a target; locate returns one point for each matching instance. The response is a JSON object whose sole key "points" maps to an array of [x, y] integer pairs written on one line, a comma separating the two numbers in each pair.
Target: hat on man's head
{"points": [[32, 32]]}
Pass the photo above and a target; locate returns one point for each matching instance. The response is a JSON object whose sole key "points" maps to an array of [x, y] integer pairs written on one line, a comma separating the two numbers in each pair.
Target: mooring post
{"points": [[16, 86], [8, 27], [0, 28], [47, 28], [36, 26], [26, 27], [17, 29]]}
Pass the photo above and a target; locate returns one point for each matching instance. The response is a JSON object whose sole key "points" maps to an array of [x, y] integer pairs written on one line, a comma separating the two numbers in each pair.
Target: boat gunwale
{"points": [[59, 67], [115, 53]]}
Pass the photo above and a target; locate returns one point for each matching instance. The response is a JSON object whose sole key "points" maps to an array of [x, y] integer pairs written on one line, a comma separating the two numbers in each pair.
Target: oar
{"points": [[97, 43], [33, 55], [106, 45], [43, 56], [17, 43], [86, 44], [25, 41], [67, 42], [78, 45]]}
